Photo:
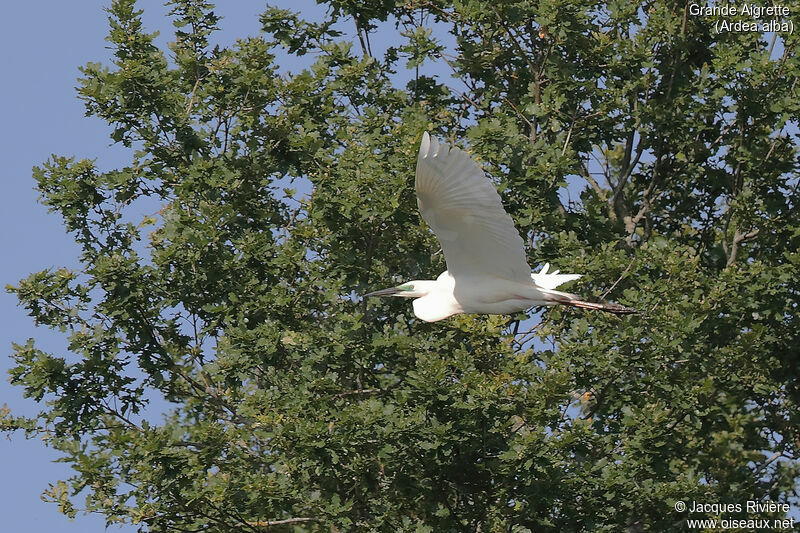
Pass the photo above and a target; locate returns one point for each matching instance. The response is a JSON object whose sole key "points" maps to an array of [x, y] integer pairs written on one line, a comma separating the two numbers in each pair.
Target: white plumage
{"points": [[487, 271]]}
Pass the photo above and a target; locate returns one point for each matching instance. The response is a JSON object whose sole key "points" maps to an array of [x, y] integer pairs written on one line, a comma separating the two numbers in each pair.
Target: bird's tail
{"points": [[552, 280]]}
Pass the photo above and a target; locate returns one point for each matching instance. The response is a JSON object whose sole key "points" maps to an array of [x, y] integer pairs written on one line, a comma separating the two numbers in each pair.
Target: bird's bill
{"points": [[384, 292]]}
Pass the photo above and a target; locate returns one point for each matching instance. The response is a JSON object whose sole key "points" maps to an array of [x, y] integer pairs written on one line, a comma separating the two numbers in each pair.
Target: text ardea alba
{"points": [[486, 267]]}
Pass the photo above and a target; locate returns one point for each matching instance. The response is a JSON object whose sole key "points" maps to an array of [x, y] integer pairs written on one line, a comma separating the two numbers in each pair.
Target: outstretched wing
{"points": [[462, 206]]}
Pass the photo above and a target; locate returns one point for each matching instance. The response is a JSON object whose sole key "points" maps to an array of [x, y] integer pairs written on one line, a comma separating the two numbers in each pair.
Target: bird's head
{"points": [[410, 289]]}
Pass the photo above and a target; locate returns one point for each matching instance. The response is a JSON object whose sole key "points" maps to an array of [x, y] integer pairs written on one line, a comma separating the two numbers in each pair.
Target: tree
{"points": [[630, 142]]}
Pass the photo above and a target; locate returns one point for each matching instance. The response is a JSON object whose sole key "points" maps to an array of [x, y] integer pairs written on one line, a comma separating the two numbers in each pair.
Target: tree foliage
{"points": [[630, 142]]}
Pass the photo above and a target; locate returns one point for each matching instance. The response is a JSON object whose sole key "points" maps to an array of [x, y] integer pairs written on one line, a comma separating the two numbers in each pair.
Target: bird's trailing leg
{"points": [[615, 309], [512, 322]]}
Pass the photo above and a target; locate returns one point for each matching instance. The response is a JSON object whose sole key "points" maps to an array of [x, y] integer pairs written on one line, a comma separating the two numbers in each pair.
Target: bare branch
{"points": [[569, 135], [602, 193], [629, 164], [738, 238], [520, 114], [618, 279], [191, 99], [769, 461]]}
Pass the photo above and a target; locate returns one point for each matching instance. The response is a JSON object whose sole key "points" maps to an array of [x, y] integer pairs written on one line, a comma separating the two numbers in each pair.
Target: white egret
{"points": [[486, 267]]}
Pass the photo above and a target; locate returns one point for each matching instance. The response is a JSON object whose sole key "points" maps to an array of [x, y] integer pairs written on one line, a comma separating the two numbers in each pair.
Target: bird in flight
{"points": [[487, 271]]}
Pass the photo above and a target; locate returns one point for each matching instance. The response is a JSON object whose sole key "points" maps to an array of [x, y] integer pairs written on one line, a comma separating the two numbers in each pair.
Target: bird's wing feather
{"points": [[458, 201]]}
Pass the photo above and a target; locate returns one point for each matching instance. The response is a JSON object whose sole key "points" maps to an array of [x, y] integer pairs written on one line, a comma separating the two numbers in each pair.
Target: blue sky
{"points": [[44, 42]]}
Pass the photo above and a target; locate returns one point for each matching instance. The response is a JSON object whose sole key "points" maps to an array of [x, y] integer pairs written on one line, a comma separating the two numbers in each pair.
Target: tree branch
{"points": [[601, 193], [618, 279], [629, 164], [738, 238]]}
